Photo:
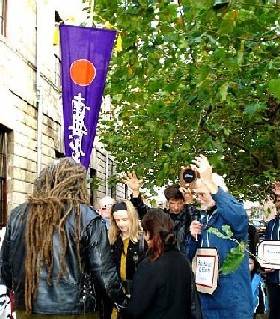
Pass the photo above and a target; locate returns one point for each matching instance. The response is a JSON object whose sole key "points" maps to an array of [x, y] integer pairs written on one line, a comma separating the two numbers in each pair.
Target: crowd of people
{"points": [[63, 258]]}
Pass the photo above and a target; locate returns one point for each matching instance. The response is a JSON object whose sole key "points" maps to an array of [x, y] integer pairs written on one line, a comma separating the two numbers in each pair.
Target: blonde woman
{"points": [[127, 242]]}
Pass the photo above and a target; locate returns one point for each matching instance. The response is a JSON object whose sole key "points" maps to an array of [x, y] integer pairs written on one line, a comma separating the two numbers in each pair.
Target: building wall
{"points": [[19, 99]]}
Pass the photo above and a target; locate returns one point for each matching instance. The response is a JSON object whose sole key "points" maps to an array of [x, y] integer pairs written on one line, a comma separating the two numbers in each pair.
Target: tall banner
{"points": [[85, 56]]}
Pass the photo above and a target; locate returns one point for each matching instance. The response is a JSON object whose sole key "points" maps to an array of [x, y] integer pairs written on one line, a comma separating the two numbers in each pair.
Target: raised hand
{"points": [[132, 181], [202, 166]]}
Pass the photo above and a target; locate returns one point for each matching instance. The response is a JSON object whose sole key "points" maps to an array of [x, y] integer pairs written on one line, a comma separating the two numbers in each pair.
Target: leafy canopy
{"points": [[190, 80]]}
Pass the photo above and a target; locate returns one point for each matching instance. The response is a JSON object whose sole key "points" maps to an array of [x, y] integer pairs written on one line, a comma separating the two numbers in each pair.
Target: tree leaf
{"points": [[209, 84], [274, 87], [224, 91], [253, 108], [233, 259]]}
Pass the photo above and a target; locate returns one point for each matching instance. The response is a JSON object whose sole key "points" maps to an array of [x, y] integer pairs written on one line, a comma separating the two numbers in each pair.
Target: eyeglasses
{"points": [[109, 206]]}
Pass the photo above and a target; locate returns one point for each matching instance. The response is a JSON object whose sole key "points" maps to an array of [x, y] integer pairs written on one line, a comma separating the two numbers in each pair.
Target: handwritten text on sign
{"points": [[205, 270]]}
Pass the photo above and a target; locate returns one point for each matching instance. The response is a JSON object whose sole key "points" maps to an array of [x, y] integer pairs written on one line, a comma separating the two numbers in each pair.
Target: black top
{"points": [[253, 239], [135, 253], [139, 205], [182, 222], [162, 288]]}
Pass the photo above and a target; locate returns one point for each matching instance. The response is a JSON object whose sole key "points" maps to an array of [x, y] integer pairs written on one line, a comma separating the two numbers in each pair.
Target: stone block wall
{"points": [[19, 100]]}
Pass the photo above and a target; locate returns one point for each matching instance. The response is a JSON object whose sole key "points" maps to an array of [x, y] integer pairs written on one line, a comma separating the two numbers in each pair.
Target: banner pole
{"points": [[38, 90], [92, 4]]}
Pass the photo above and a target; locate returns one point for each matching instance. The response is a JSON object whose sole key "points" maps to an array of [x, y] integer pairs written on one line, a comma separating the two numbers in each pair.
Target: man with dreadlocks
{"points": [[54, 244]]}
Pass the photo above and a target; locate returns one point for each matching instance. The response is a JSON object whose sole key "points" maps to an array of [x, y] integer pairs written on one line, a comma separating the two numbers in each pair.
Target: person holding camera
{"points": [[231, 296]]}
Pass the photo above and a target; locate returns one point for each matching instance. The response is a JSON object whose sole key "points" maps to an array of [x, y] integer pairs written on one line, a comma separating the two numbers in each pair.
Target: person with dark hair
{"points": [[182, 212], [55, 245], [180, 208], [162, 283], [253, 239]]}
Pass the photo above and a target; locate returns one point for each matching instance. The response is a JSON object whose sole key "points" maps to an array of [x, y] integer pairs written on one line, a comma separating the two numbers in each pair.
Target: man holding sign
{"points": [[223, 296]]}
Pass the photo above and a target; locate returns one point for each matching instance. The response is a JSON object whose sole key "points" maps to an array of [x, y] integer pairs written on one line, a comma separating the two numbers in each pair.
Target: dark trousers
{"points": [[105, 307], [273, 291]]}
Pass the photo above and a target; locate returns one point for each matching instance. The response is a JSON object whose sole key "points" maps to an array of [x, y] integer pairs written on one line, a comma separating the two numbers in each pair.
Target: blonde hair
{"points": [[132, 214]]}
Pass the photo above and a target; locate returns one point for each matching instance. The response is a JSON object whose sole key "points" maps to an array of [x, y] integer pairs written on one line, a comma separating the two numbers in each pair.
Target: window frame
{"points": [[3, 178], [3, 17]]}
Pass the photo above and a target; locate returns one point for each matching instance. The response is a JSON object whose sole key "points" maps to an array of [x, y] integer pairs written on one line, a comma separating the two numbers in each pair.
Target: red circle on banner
{"points": [[82, 72]]}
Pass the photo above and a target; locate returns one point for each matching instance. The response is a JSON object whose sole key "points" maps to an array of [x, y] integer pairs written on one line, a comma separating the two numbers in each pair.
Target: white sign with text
{"points": [[269, 254], [205, 267]]}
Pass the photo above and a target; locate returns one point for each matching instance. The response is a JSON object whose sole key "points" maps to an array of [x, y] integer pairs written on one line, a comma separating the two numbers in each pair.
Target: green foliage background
{"points": [[191, 80]]}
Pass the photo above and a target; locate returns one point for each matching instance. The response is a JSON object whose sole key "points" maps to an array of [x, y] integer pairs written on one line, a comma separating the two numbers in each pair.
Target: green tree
{"points": [[191, 80]]}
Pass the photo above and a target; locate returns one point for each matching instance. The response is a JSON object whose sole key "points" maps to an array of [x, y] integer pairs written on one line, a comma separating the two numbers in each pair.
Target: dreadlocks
{"points": [[57, 192]]}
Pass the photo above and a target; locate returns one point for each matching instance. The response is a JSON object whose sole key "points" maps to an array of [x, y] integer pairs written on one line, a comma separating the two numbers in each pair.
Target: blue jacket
{"points": [[233, 297], [257, 286], [273, 233]]}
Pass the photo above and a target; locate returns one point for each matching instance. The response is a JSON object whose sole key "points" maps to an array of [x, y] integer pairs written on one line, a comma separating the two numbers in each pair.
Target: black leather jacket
{"points": [[135, 253], [69, 294]]}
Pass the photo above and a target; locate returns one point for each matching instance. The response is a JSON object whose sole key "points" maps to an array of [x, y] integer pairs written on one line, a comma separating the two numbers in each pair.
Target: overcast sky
{"points": [[70, 8]]}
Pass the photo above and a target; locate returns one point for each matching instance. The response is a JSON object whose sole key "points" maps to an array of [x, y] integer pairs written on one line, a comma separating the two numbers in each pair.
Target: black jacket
{"points": [[182, 222], [138, 203], [69, 294], [135, 253], [162, 288]]}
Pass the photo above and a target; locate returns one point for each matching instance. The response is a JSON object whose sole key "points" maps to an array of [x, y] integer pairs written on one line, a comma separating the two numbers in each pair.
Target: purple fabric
{"points": [[82, 88]]}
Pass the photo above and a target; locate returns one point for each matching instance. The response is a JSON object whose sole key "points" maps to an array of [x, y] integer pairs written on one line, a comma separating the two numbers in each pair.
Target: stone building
{"points": [[31, 109]]}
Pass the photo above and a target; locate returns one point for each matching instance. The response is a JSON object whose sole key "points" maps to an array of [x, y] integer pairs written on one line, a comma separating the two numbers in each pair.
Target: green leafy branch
{"points": [[236, 254]]}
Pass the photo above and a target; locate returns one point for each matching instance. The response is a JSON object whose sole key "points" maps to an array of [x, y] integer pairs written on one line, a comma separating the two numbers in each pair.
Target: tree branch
{"points": [[237, 144]]}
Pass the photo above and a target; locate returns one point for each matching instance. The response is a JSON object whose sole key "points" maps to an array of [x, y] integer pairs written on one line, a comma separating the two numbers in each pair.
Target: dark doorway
{"points": [[3, 175]]}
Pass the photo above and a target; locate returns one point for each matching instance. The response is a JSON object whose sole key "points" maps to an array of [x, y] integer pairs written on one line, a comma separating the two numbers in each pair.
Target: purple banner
{"points": [[85, 56]]}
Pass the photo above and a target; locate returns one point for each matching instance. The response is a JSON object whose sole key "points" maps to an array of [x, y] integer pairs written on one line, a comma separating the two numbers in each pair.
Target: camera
{"points": [[188, 176]]}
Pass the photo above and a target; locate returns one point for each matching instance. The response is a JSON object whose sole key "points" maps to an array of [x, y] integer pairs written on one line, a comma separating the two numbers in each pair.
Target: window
{"points": [[3, 16], [92, 176], [58, 154], [3, 176], [113, 188]]}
